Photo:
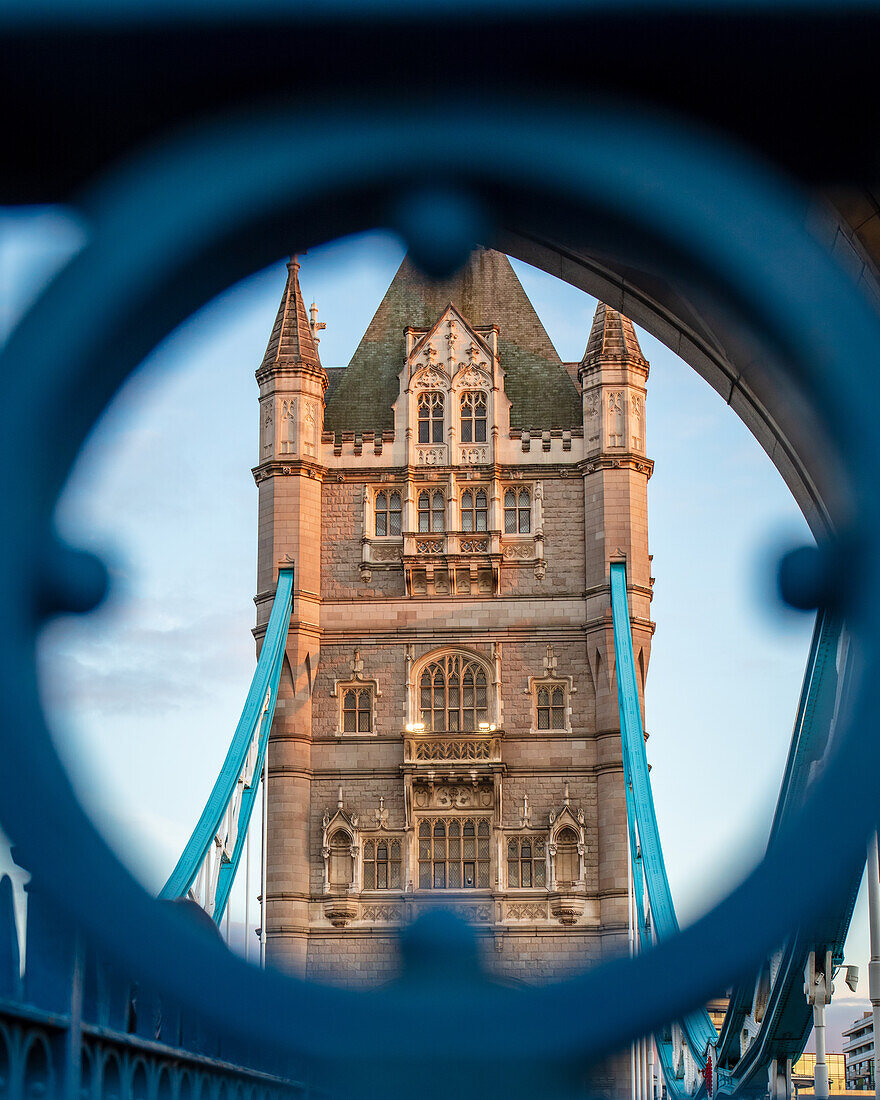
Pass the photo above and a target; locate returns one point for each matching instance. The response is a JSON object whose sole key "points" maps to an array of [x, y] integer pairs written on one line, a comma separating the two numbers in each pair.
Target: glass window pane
{"points": [[481, 521], [454, 829], [439, 829], [381, 876], [424, 849], [382, 851], [454, 848], [424, 876], [438, 431], [484, 828], [424, 432], [469, 847], [466, 430], [424, 829], [395, 876], [526, 850], [513, 873], [439, 876], [381, 502], [369, 876], [480, 431], [559, 718], [511, 849], [468, 828], [395, 502], [510, 521], [509, 498], [469, 876], [483, 881], [394, 525], [525, 524], [540, 873], [527, 873], [455, 876], [349, 722], [381, 525], [363, 721], [467, 521], [483, 848]]}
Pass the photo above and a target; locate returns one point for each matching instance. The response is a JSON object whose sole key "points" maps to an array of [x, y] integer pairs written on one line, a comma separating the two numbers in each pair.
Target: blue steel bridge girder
{"points": [[212, 855], [786, 1017]]}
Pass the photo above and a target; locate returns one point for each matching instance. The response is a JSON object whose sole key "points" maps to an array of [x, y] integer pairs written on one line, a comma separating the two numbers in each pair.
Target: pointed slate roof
{"points": [[291, 341], [612, 338], [486, 291]]}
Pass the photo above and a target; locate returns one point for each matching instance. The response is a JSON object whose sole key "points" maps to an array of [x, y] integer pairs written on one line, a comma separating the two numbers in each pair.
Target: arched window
{"points": [[526, 861], [517, 512], [340, 859], [382, 865], [453, 695], [454, 854], [473, 417], [432, 510], [430, 418], [474, 510], [387, 513], [357, 710], [567, 862], [551, 708]]}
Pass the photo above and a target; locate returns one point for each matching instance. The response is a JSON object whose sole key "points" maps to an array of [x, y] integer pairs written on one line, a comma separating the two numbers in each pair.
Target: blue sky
{"points": [[144, 694]]}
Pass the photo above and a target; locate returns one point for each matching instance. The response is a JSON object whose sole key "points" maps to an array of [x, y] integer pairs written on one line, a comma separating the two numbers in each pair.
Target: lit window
{"points": [[551, 708], [432, 511], [340, 859], [454, 854], [526, 862], [382, 864], [474, 510], [453, 695], [473, 418], [387, 513], [567, 862], [357, 710], [431, 418], [517, 512]]}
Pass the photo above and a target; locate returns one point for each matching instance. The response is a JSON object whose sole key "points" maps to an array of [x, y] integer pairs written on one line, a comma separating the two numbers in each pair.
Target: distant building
{"points": [[858, 1049], [803, 1074]]}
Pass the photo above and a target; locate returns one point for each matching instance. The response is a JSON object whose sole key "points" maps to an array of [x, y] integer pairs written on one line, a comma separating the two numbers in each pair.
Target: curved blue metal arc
{"points": [[265, 680]]}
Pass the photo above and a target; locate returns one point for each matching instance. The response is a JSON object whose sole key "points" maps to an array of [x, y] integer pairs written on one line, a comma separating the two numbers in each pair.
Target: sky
{"points": [[143, 694]]}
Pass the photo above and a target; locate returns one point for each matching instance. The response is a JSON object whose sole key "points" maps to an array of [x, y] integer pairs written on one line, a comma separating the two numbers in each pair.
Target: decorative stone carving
{"points": [[429, 546], [591, 419], [519, 550], [616, 436], [430, 379], [474, 546], [382, 912], [268, 429], [527, 910], [431, 455], [636, 421], [567, 908], [381, 814], [340, 909], [453, 796], [473, 456], [387, 553], [288, 426], [458, 749]]}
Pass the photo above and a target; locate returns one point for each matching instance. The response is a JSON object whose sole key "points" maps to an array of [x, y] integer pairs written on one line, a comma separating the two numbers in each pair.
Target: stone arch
{"points": [[794, 440]]}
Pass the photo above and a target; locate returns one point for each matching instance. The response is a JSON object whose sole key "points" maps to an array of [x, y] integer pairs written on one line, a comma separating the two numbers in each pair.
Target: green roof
{"points": [[486, 291]]}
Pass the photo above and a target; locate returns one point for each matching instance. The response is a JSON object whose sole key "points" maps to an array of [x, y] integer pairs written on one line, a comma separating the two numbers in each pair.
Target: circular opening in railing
{"points": [[435, 472]]}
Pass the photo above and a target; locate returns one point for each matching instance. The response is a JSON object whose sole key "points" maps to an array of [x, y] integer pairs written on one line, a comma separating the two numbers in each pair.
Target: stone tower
{"points": [[447, 729]]}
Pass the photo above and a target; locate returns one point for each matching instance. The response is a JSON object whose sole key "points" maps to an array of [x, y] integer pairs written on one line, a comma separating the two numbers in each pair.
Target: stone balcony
{"points": [[431, 749]]}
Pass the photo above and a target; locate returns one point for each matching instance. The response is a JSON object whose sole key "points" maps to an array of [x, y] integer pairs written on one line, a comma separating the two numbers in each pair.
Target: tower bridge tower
{"points": [[447, 728]]}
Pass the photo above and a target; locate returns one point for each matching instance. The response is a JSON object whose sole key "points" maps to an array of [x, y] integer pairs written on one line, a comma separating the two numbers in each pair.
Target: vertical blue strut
{"points": [[248, 744]]}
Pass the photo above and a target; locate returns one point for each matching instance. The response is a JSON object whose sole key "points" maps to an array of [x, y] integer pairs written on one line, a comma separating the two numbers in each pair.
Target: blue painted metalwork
{"points": [[178, 223], [787, 1019], [259, 709]]}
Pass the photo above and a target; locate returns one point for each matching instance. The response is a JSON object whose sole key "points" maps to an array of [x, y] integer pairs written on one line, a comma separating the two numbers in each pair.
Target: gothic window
{"points": [[453, 695], [473, 417], [388, 511], [432, 510], [551, 707], [517, 511], [341, 867], [567, 861], [430, 418], [474, 510], [526, 861], [382, 864], [357, 710], [454, 854]]}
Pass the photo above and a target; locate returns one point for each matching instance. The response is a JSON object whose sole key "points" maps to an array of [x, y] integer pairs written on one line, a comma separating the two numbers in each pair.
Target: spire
{"points": [[612, 339], [292, 342]]}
